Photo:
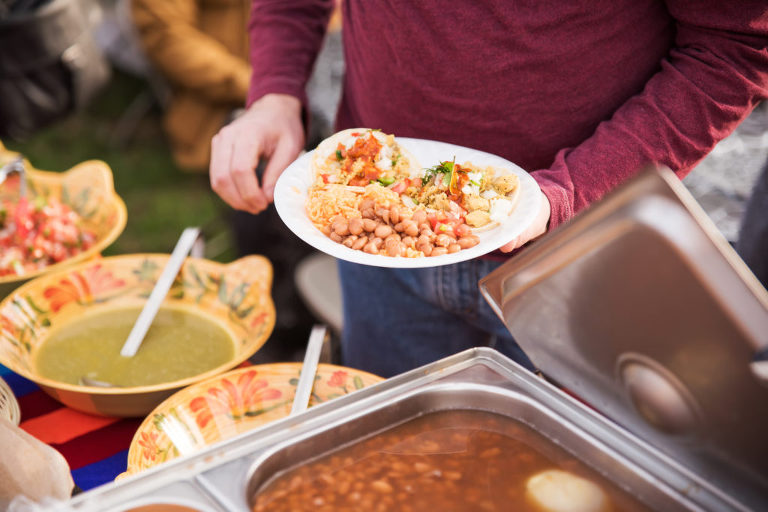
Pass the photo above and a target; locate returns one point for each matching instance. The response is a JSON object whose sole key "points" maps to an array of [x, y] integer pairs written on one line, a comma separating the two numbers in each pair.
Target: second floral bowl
{"points": [[234, 402]]}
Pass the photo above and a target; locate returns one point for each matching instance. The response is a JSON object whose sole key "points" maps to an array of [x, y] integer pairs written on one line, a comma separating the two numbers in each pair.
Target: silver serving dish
{"points": [[637, 306], [224, 477]]}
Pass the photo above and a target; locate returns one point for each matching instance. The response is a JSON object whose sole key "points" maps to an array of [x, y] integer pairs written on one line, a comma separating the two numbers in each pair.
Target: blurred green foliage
{"points": [[161, 199]]}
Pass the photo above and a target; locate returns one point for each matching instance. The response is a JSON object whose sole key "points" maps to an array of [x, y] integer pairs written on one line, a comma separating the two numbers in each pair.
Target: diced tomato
{"points": [[359, 182], [399, 187], [21, 218], [433, 220], [31, 238], [325, 177], [371, 173]]}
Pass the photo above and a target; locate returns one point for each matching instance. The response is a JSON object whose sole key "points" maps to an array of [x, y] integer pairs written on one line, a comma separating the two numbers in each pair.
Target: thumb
{"points": [[287, 151]]}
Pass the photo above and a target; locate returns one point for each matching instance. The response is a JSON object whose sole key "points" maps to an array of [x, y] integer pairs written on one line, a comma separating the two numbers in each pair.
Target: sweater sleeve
{"points": [[186, 55], [285, 37], [711, 80]]}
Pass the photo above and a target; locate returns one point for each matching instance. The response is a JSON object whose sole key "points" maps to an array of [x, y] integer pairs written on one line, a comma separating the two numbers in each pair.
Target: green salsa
{"points": [[179, 344]]}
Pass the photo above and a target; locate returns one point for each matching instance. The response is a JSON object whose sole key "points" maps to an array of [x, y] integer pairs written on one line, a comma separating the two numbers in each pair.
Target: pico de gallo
{"points": [[364, 157], [39, 232]]}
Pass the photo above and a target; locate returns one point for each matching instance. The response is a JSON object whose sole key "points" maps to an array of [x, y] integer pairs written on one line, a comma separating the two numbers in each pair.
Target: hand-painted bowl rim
{"points": [[96, 390], [202, 384]]}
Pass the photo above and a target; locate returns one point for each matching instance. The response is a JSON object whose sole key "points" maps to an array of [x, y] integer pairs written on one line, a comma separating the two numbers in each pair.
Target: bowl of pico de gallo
{"points": [[63, 219]]}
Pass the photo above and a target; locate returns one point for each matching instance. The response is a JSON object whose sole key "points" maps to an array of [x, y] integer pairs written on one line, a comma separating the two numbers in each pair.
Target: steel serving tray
{"points": [[223, 477]]}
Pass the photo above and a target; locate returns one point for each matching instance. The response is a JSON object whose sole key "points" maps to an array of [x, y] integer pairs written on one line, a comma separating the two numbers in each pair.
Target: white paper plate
{"points": [[291, 195]]}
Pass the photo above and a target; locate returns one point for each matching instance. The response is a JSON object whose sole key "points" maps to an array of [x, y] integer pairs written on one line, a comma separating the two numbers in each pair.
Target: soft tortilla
{"points": [[328, 146], [514, 198]]}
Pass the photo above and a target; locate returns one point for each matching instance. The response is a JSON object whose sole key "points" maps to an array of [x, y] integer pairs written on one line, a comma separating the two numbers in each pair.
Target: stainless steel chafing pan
{"points": [[224, 476], [637, 306]]}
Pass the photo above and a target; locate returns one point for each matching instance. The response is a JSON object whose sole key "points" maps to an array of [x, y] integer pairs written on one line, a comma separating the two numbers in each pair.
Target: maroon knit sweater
{"points": [[581, 93]]}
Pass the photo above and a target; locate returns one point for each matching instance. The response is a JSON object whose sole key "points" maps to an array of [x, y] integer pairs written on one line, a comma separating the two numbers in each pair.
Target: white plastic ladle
{"points": [[163, 284]]}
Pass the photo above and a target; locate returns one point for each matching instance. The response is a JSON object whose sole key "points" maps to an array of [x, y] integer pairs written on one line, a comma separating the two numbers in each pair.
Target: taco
{"points": [[481, 196], [360, 156]]}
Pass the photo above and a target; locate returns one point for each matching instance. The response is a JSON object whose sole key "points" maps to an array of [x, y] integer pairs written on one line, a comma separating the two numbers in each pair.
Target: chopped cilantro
{"points": [[338, 155], [443, 168]]}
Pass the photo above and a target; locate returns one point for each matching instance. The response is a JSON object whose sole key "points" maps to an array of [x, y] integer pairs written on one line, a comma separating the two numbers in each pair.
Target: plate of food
{"points": [[372, 198]]}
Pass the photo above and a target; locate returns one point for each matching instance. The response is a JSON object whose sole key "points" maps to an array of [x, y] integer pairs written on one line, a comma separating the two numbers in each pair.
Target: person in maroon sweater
{"points": [[581, 94]]}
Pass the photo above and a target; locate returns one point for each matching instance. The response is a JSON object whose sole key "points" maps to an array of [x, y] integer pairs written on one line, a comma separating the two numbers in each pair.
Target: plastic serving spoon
{"points": [[187, 240], [16, 165], [163, 284], [308, 369]]}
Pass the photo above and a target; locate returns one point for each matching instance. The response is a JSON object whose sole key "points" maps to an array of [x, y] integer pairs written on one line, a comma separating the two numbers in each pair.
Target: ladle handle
{"points": [[308, 369], [163, 284]]}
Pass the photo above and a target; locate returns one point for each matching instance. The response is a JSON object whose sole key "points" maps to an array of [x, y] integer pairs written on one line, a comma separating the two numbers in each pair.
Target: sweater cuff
{"points": [[262, 87], [559, 203]]}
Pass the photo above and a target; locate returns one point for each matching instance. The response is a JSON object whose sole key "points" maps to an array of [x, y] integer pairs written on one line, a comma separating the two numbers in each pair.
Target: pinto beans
{"points": [[369, 225], [355, 226], [360, 243], [469, 241], [366, 204], [393, 236], [443, 240], [395, 248], [341, 227], [383, 214], [419, 216], [383, 230], [394, 214], [394, 230], [411, 228], [423, 239], [439, 251]]}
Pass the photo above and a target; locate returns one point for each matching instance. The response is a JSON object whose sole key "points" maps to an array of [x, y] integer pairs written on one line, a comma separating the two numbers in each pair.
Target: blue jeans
{"points": [[398, 319]]}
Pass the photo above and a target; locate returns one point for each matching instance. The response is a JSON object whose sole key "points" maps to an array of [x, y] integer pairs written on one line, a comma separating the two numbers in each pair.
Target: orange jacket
{"points": [[201, 48]]}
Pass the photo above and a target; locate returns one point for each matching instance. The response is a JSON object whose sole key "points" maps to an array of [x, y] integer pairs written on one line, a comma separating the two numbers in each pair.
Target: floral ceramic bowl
{"points": [[88, 189], [235, 296], [224, 406]]}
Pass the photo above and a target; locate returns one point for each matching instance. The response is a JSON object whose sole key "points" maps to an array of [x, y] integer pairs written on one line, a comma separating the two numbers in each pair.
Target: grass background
{"points": [[161, 199]]}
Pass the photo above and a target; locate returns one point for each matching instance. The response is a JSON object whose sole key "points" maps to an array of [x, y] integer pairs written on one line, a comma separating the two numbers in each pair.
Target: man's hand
{"points": [[270, 128], [537, 228]]}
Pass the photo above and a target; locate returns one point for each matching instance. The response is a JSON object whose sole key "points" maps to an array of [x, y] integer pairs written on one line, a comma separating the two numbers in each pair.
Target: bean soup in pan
{"points": [[446, 461]]}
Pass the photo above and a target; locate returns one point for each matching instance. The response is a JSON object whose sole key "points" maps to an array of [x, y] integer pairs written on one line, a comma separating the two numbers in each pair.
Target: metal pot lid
{"points": [[642, 309]]}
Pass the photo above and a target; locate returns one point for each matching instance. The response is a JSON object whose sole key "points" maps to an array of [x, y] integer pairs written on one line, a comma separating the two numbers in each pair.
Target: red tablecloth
{"points": [[95, 447]]}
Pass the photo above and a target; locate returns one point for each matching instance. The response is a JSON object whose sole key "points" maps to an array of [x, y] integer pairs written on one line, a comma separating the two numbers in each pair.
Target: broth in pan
{"points": [[447, 461]]}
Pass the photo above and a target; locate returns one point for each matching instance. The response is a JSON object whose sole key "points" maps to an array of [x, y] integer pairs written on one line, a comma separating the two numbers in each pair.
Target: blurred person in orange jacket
{"points": [[201, 49]]}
